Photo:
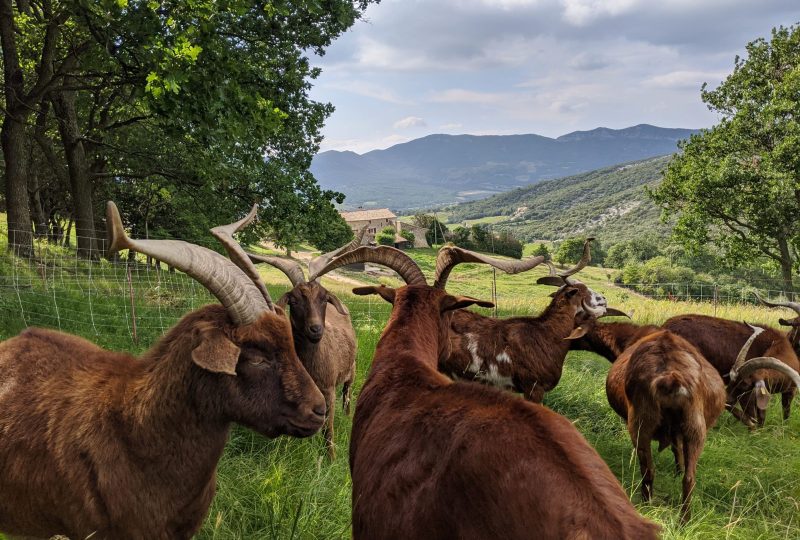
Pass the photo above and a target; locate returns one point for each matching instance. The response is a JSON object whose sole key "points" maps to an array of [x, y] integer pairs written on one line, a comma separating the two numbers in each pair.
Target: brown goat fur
{"points": [[525, 354], [433, 458], [326, 344], [667, 392], [720, 340], [104, 444]]}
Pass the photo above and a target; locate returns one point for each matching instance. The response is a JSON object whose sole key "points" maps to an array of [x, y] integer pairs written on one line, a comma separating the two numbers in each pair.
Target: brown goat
{"points": [[323, 334], [719, 340], [524, 354], [105, 445], [432, 458], [665, 389], [667, 392]]}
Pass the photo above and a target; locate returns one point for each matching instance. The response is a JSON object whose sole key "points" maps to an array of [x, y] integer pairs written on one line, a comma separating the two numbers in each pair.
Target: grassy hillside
{"points": [[747, 486], [609, 203]]}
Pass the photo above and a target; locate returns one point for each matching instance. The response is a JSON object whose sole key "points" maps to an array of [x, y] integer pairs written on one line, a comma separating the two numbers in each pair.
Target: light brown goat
{"points": [[432, 458], [98, 444], [524, 354], [323, 332]]}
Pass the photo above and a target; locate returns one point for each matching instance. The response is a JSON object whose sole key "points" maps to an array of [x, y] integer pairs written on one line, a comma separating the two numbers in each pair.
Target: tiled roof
{"points": [[367, 215]]}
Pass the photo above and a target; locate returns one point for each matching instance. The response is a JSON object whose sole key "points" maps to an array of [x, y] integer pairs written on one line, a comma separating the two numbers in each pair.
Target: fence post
{"points": [[716, 298], [133, 307]]}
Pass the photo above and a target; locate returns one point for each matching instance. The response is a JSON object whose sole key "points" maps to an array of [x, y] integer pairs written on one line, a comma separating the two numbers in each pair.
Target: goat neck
{"points": [[610, 339]]}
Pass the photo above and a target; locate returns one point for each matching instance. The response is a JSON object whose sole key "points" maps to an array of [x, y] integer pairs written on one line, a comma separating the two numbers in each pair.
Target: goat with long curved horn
{"points": [[449, 256], [794, 306], [384, 255], [318, 263], [557, 279], [224, 233], [243, 300], [323, 337], [742, 368]]}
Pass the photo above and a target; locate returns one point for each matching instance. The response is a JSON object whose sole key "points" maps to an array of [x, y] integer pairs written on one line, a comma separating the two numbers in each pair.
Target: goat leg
{"points": [[327, 428], [786, 401], [691, 451], [347, 392], [642, 438], [739, 415], [677, 451]]}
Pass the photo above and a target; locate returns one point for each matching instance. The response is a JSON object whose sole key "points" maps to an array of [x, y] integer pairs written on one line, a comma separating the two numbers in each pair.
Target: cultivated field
{"points": [[748, 485]]}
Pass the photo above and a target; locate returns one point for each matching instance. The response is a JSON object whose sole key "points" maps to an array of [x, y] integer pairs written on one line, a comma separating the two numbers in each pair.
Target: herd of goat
{"points": [[105, 445]]}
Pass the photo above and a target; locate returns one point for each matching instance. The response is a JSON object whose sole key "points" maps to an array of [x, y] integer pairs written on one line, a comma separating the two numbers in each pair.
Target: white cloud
{"points": [[460, 95], [370, 90], [684, 79], [410, 122], [583, 12]]}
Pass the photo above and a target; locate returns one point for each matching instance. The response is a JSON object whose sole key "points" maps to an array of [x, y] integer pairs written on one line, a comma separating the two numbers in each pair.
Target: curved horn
{"points": [[221, 277], [385, 255], [795, 306], [224, 233], [318, 263], [765, 362], [560, 278], [449, 256], [614, 312], [740, 358], [291, 268]]}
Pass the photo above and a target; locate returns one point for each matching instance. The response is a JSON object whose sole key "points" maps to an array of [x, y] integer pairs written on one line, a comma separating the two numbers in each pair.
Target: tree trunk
{"points": [[12, 138], [78, 167], [786, 264]]}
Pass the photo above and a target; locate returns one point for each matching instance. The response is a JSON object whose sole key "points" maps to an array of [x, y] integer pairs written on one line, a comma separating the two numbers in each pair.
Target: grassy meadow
{"points": [[748, 485]]}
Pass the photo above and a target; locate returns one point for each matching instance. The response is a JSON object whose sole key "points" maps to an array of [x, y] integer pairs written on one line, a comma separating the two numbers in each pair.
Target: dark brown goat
{"points": [[524, 354], [105, 445], [323, 332], [431, 458], [719, 340]]}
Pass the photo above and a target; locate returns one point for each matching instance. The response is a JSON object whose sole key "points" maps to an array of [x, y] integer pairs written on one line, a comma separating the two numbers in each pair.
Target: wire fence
{"points": [[131, 300], [709, 292]]}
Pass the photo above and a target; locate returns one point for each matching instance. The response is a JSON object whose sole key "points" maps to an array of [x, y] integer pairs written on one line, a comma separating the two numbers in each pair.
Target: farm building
{"points": [[377, 219]]}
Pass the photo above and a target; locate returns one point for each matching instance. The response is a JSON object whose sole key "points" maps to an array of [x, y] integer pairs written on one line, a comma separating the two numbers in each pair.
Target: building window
{"points": [[372, 230]]}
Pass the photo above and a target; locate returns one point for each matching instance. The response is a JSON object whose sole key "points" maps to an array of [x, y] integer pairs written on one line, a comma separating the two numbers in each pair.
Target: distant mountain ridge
{"points": [[444, 169]]}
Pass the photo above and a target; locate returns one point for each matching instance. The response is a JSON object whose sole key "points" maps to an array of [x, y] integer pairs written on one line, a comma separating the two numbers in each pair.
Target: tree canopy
{"points": [[185, 113], [737, 185]]}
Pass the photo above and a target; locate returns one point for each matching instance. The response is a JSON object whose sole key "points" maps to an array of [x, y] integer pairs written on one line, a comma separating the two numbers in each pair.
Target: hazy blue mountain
{"points": [[443, 169]]}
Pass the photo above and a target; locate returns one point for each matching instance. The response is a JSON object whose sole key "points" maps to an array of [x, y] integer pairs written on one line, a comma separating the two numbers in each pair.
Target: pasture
{"points": [[747, 482]]}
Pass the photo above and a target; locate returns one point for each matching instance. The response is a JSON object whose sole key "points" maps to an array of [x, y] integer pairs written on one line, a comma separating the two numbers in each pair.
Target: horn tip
{"points": [[115, 231]]}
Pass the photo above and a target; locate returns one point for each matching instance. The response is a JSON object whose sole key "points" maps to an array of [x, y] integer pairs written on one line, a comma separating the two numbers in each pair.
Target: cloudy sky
{"points": [[416, 67]]}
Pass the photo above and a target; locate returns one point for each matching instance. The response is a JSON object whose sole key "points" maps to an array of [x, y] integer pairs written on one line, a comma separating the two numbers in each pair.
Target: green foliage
{"points": [[329, 233], [737, 185], [386, 236], [408, 235], [541, 250], [610, 204], [635, 250], [437, 232], [570, 251], [480, 237]]}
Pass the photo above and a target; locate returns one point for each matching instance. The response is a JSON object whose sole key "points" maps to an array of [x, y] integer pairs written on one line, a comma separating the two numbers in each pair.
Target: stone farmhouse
{"points": [[377, 219]]}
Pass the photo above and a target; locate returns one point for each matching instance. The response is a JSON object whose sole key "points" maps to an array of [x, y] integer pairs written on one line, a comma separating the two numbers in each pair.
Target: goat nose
{"points": [[315, 328], [320, 409]]}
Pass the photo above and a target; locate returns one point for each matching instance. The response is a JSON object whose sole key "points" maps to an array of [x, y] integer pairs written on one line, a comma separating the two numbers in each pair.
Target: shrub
{"points": [[386, 236]]}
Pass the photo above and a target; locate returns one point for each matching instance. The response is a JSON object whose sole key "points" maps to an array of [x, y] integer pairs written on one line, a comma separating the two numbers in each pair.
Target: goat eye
{"points": [[257, 361]]}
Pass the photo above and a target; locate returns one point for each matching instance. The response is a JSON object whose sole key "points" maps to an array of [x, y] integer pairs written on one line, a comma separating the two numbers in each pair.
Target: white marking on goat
{"points": [[472, 346], [683, 391], [503, 357], [494, 378]]}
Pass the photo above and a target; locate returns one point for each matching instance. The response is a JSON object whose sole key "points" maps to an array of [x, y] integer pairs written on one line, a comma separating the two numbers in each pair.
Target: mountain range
{"points": [[447, 169]]}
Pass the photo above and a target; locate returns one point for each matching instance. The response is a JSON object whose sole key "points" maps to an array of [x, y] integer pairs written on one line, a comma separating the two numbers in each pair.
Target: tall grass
{"points": [[748, 484]]}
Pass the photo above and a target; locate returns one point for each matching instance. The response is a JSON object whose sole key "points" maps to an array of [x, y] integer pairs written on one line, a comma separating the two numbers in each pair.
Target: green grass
{"points": [[748, 485]]}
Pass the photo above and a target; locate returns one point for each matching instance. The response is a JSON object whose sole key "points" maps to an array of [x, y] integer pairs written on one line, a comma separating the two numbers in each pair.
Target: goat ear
{"points": [[762, 396], [283, 300], [578, 333], [387, 293], [450, 303], [216, 353], [335, 302]]}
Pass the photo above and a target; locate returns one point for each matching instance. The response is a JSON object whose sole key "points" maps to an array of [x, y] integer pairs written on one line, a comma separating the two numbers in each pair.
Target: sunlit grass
{"points": [[748, 484]]}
